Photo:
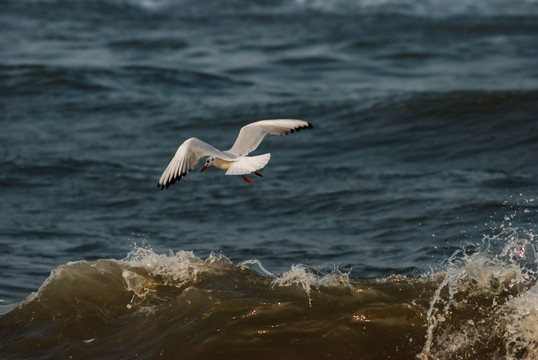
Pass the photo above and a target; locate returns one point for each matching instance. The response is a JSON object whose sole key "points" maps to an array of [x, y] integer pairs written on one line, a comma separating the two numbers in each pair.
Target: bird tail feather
{"points": [[248, 164]]}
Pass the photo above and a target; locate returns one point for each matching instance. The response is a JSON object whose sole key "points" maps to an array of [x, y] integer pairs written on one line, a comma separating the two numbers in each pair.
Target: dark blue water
{"points": [[424, 149]]}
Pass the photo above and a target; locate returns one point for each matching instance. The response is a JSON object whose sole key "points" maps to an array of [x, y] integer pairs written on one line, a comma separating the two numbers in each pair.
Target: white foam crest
{"points": [[173, 269], [305, 278], [256, 265]]}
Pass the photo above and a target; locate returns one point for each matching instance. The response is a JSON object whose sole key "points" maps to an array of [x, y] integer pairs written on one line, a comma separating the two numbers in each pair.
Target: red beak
{"points": [[205, 167]]}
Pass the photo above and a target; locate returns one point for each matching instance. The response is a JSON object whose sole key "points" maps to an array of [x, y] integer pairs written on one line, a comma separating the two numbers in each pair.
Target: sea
{"points": [[403, 225]]}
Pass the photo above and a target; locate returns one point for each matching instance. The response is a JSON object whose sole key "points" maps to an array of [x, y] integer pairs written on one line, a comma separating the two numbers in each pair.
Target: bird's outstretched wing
{"points": [[251, 135], [187, 156]]}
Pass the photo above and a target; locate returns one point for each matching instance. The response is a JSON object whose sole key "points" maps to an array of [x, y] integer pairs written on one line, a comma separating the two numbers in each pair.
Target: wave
{"points": [[425, 8], [421, 8], [38, 79], [482, 305]]}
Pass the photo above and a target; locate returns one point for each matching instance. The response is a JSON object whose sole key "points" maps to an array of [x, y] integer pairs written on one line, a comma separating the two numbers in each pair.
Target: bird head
{"points": [[209, 162]]}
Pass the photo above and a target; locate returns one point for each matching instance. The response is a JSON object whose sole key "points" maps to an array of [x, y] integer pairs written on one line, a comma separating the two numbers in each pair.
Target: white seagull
{"points": [[235, 161]]}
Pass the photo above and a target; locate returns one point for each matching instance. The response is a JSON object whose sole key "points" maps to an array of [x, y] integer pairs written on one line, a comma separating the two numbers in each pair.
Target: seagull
{"points": [[235, 161]]}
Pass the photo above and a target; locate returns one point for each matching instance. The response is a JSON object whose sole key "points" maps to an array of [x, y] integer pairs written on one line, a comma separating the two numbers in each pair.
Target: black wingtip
{"points": [[162, 186], [172, 181], [297, 129]]}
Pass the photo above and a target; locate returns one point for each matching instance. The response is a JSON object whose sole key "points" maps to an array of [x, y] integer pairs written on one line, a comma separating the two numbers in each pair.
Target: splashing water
{"points": [[487, 301]]}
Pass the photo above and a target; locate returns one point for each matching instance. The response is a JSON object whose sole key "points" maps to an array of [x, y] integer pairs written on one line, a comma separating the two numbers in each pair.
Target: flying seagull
{"points": [[235, 161]]}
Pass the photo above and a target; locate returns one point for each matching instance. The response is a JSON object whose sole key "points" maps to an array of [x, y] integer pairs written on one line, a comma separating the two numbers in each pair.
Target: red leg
{"points": [[257, 173], [246, 179]]}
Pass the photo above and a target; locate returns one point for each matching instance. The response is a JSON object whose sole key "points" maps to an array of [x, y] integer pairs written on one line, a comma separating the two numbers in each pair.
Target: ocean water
{"points": [[402, 226]]}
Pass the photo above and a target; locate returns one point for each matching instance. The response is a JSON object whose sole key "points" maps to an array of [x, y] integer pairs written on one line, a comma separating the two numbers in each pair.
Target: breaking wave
{"points": [[483, 305]]}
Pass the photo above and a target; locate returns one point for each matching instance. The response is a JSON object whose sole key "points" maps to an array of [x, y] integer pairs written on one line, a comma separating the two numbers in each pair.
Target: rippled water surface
{"points": [[393, 229]]}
